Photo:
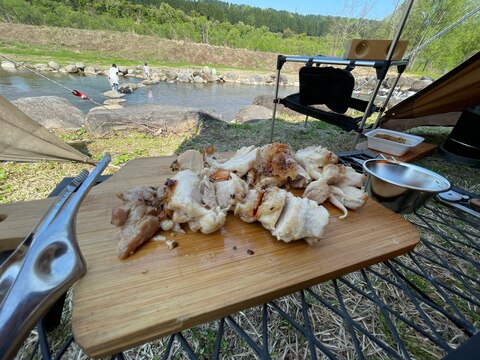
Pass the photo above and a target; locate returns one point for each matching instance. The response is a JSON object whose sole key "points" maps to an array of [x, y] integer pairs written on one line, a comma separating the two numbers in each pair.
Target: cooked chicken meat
{"points": [[318, 191], [339, 184], [271, 207], [240, 163], [347, 197], [185, 202], [139, 227], [189, 160], [246, 210], [206, 187], [230, 192], [208, 194], [352, 178], [139, 217], [276, 165], [301, 218], [314, 158]]}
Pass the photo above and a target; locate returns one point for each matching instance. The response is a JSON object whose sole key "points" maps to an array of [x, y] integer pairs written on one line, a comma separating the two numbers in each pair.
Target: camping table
{"points": [[157, 292], [445, 234]]}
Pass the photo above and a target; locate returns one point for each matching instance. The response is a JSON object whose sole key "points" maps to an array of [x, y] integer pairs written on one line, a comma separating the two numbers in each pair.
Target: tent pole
{"points": [[391, 50], [275, 102]]}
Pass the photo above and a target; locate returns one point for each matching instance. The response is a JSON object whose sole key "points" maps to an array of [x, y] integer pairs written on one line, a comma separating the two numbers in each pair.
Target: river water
{"points": [[221, 99]]}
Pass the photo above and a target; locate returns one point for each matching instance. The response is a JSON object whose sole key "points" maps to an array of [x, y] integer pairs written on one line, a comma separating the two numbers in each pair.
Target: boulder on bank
{"points": [[51, 111], [253, 113], [54, 65], [267, 101], [153, 118], [71, 69]]}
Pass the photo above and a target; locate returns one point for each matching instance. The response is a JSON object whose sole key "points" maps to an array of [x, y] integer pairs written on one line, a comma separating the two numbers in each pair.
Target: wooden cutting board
{"points": [[156, 292]]}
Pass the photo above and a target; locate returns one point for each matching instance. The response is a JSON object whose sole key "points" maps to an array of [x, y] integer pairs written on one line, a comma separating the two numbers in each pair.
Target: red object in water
{"points": [[80, 94]]}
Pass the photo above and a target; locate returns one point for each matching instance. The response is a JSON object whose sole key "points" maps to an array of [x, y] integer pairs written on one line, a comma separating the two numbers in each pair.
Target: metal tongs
{"points": [[43, 266]]}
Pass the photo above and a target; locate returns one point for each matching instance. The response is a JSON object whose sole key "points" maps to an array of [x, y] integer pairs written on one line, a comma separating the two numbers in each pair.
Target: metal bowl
{"points": [[400, 186]]}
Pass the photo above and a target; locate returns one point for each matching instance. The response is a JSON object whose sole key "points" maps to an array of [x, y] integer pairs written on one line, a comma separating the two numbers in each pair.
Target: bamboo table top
{"points": [[155, 292]]}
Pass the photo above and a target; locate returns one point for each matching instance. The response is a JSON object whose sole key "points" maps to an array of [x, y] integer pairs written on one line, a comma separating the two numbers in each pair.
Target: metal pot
{"points": [[400, 186]]}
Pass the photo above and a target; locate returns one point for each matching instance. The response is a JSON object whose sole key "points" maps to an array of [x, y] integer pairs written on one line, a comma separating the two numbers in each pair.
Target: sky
{"points": [[375, 9]]}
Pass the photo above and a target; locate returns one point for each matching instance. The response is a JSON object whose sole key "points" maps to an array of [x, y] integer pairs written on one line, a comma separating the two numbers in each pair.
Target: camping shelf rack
{"points": [[381, 67]]}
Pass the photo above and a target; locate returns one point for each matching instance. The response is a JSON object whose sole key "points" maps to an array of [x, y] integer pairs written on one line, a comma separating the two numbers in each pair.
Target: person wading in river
{"points": [[113, 77], [146, 70]]}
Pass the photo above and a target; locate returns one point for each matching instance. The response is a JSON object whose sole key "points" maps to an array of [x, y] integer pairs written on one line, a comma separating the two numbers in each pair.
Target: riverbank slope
{"points": [[42, 44]]}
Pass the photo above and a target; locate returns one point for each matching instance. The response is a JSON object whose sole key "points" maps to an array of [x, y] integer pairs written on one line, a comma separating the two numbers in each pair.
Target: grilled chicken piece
{"points": [[210, 222], [314, 158], [139, 217], [301, 218], [208, 193], [318, 191], [247, 208], [276, 165], [120, 214], [347, 197], [185, 202], [140, 195], [189, 160], [333, 173], [302, 179], [230, 192], [340, 185], [139, 227], [240, 163], [351, 178], [271, 207]]}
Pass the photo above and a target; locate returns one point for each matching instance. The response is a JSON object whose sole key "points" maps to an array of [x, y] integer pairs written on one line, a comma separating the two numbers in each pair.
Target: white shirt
{"points": [[113, 75], [146, 70]]}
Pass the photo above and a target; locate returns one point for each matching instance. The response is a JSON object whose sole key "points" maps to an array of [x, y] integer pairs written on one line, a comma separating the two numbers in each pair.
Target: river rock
{"points": [[71, 68], [427, 78], [267, 101], [51, 111], [420, 84], [171, 75], [253, 113], [405, 82], [209, 74], [185, 77], [107, 107], [55, 66], [154, 118], [114, 101], [199, 79], [283, 79], [90, 70], [112, 94], [151, 81], [42, 67], [8, 65], [230, 77], [80, 66]]}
